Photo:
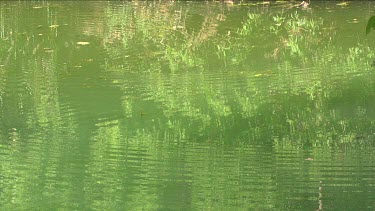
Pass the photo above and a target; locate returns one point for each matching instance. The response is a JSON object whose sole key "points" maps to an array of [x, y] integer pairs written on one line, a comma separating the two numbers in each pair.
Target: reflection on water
{"points": [[145, 105]]}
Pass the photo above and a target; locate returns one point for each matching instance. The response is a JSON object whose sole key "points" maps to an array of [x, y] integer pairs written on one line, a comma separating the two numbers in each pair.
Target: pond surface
{"points": [[186, 106]]}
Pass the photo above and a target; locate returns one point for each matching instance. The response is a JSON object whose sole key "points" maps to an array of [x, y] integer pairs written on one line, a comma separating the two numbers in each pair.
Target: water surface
{"points": [[186, 105]]}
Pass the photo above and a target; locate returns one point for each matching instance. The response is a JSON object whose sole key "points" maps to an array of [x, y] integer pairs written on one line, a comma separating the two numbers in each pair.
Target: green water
{"points": [[186, 106]]}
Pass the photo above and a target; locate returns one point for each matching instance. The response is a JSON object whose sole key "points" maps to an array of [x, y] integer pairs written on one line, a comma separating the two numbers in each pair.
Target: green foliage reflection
{"points": [[201, 104]]}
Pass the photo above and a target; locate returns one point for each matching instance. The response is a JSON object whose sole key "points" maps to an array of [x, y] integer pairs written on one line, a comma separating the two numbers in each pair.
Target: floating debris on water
{"points": [[83, 43]]}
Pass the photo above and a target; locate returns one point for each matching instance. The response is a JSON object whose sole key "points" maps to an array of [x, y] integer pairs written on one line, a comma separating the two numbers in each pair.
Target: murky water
{"points": [[186, 105]]}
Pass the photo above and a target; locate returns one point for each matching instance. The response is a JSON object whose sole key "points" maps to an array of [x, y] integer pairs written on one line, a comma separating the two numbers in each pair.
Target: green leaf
{"points": [[370, 24]]}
